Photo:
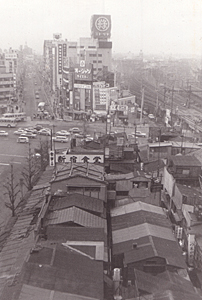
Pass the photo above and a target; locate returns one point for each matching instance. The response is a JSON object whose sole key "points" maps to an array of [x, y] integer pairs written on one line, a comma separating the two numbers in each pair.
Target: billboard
{"points": [[83, 72], [80, 158], [101, 26]]}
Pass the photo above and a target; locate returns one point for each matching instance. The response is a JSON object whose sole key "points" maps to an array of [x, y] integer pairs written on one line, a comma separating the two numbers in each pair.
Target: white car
{"points": [[140, 134], [29, 135], [44, 131], [75, 130], [60, 139], [151, 116], [63, 132], [19, 131], [3, 133]]}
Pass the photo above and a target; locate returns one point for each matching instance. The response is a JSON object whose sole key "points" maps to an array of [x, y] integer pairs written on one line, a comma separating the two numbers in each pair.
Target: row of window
{"points": [[95, 55], [95, 69], [99, 61]]}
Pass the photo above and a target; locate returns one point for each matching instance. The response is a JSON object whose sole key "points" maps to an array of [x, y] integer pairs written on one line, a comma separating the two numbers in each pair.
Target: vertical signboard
{"points": [[59, 58], [191, 248]]}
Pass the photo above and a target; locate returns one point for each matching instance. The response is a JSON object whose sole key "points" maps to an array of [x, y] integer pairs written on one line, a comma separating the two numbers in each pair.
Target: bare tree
{"points": [[44, 154], [12, 190], [30, 170]]}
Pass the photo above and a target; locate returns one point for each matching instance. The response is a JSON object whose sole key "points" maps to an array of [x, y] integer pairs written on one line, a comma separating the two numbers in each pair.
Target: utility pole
{"points": [[171, 114], [142, 104], [159, 153]]}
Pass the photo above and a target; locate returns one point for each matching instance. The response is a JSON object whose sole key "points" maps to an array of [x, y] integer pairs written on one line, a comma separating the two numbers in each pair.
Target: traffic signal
{"points": [[52, 158]]}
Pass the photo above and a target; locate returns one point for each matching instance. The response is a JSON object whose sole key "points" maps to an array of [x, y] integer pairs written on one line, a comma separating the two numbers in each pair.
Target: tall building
{"points": [[70, 68], [8, 73], [58, 54], [95, 59]]}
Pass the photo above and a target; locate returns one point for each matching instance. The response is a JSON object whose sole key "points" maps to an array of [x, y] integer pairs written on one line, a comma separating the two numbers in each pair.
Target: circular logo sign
{"points": [[102, 24]]}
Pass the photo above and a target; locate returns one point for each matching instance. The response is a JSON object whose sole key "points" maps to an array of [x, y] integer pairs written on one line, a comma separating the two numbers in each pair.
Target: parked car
{"points": [[23, 139], [60, 138], [44, 131], [29, 135], [151, 116], [19, 131], [75, 130], [31, 129], [63, 132], [3, 133], [140, 134], [38, 127]]}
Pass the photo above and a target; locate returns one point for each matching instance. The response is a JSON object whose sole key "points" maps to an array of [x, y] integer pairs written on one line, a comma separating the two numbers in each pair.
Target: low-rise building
{"points": [[142, 238]]}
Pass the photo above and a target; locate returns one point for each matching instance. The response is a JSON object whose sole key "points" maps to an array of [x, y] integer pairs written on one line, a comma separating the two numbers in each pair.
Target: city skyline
{"points": [[153, 26]]}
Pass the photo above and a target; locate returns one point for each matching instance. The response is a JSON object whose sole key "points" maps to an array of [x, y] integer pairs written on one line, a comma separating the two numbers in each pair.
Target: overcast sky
{"points": [[155, 26]]}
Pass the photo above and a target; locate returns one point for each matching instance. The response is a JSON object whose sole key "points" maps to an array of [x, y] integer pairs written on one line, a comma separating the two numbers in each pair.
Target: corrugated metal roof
{"points": [[181, 160], [36, 293], [93, 171], [21, 239], [138, 231], [139, 217], [77, 216], [109, 177], [136, 206], [78, 200]]}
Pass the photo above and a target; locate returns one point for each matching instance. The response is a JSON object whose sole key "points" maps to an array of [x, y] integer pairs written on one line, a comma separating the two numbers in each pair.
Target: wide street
{"points": [[15, 153]]}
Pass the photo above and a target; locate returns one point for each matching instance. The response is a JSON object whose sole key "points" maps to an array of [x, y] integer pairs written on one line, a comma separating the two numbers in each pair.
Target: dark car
{"points": [[38, 127]]}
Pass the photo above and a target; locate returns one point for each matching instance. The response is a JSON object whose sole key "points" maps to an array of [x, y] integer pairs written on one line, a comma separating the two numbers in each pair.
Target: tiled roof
{"points": [[175, 295], [197, 153], [67, 271], [182, 160], [77, 216], [191, 193], [78, 200], [153, 246], [60, 233], [36, 293], [154, 284]]}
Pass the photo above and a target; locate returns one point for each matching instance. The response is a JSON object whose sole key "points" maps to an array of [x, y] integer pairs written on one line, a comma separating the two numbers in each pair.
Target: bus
{"points": [[21, 116], [8, 122]]}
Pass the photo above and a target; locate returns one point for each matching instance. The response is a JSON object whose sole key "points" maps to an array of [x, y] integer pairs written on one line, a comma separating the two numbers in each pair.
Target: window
{"points": [[99, 69], [92, 189], [99, 61], [111, 186], [94, 61], [100, 55], [91, 47], [122, 193], [185, 172], [74, 189]]}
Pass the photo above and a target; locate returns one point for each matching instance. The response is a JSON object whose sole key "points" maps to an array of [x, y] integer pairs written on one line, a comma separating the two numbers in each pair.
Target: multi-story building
{"points": [[58, 54], [90, 59], [8, 73]]}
